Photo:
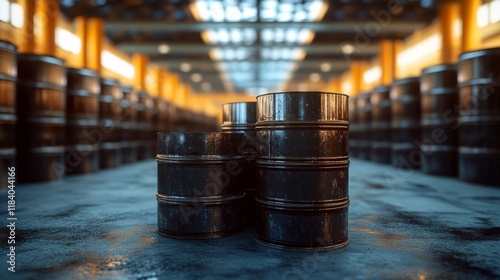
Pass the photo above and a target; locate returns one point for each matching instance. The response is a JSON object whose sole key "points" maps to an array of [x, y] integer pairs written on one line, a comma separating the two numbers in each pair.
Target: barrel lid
{"points": [[127, 88], [406, 80], [302, 92], [439, 68], [40, 58], [479, 53], [239, 113], [5, 45], [82, 71], [182, 144]]}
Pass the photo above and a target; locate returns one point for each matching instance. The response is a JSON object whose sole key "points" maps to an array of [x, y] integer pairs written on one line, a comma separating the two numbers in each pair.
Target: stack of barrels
{"points": [[405, 123], [82, 118], [363, 117], [41, 112], [240, 117], [444, 122], [302, 170], [199, 186], [8, 74], [438, 137], [381, 124], [129, 133], [145, 125], [479, 116], [110, 117]]}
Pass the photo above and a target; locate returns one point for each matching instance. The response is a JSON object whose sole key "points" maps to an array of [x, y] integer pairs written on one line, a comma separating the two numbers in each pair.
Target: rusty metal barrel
{"points": [[129, 135], [41, 112], [405, 123], [199, 188], [439, 130], [145, 127], [381, 124], [240, 117], [363, 110], [479, 116], [353, 127], [110, 117], [8, 74], [303, 166], [82, 118]]}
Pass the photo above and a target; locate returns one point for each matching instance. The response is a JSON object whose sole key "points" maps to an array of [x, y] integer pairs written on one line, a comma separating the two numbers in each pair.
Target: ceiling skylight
{"points": [[256, 60]]}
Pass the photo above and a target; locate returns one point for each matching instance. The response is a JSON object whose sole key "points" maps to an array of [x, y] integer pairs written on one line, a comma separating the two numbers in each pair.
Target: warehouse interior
{"points": [[86, 85]]}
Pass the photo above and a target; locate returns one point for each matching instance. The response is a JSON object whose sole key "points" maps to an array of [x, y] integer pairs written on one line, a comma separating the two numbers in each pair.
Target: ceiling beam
{"points": [[395, 26], [151, 48]]}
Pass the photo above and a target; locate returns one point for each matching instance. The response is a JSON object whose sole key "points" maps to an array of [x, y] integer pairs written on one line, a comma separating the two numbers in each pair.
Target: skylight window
{"points": [[291, 39]]}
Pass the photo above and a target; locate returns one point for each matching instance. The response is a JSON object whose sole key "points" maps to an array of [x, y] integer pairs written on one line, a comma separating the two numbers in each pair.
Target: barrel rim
{"points": [[302, 92], [8, 78], [378, 89], [8, 46], [439, 68], [40, 58], [109, 81], [82, 71], [405, 80], [478, 53]]}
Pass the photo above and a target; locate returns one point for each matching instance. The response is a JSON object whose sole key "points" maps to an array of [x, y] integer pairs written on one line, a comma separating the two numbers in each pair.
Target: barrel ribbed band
{"points": [[218, 199], [307, 164], [305, 207], [198, 159]]}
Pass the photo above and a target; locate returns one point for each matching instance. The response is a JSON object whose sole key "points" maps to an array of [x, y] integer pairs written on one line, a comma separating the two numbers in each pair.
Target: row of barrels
{"points": [[445, 122], [281, 164], [56, 120]]}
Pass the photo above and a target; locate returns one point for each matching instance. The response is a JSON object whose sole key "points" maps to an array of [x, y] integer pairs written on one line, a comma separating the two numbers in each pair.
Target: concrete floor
{"points": [[402, 225]]}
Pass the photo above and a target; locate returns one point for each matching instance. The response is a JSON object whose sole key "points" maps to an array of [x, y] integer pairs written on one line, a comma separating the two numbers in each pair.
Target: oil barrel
{"points": [[302, 170], [405, 123], [41, 114], [439, 130], [110, 117], [129, 134], [8, 74], [363, 111], [199, 188], [240, 117], [145, 127], [82, 119], [381, 124], [479, 116]]}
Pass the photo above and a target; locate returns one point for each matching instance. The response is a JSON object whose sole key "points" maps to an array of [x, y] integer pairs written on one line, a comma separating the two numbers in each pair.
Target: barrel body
{"points": [[353, 127], [199, 187], [8, 74], [240, 117], [381, 125], [129, 134], [479, 116], [82, 119], [41, 111], [110, 117], [405, 123], [364, 113], [302, 169], [439, 131]]}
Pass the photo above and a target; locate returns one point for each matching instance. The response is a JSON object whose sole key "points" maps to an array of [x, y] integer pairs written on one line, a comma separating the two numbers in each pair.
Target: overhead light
{"points": [[68, 41], [347, 48], [117, 65], [206, 86], [185, 67], [163, 49], [196, 77], [17, 15], [4, 10], [325, 67], [314, 77]]}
